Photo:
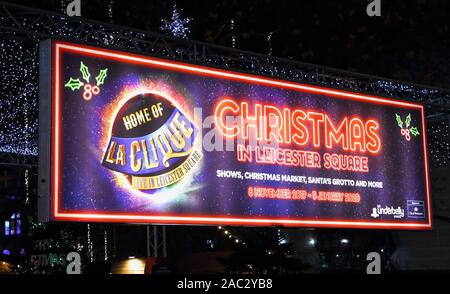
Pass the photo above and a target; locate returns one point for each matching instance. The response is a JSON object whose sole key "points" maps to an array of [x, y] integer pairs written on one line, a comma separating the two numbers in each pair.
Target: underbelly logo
{"points": [[152, 143], [397, 213]]}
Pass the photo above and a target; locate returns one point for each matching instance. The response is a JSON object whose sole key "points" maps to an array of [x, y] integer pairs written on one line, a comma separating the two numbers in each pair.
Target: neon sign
{"points": [[166, 142], [298, 128]]}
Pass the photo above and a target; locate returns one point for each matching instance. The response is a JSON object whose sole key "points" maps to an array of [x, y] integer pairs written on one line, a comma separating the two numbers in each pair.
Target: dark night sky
{"points": [[409, 42]]}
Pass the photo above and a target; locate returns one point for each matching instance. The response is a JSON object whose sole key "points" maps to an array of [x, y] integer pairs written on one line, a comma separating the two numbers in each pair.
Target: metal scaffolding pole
{"points": [[156, 241]]}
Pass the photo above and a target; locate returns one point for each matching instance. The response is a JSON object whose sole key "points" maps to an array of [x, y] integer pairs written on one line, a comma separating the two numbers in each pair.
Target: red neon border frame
{"points": [[92, 216]]}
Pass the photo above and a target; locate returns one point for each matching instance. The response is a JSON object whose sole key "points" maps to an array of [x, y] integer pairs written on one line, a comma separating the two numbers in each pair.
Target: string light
{"points": [[105, 239], [177, 26], [27, 186], [439, 135], [62, 5], [228, 235], [90, 244], [281, 238], [110, 11], [19, 97], [233, 35], [269, 41]]}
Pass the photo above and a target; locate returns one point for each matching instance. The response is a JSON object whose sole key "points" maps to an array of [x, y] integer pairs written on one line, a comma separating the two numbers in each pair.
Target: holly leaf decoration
{"points": [[408, 120], [85, 72], [74, 84], [414, 131], [101, 77], [399, 120]]}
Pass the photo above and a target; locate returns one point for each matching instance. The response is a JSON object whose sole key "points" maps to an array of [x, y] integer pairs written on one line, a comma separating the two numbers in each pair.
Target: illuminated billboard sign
{"points": [[144, 140]]}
